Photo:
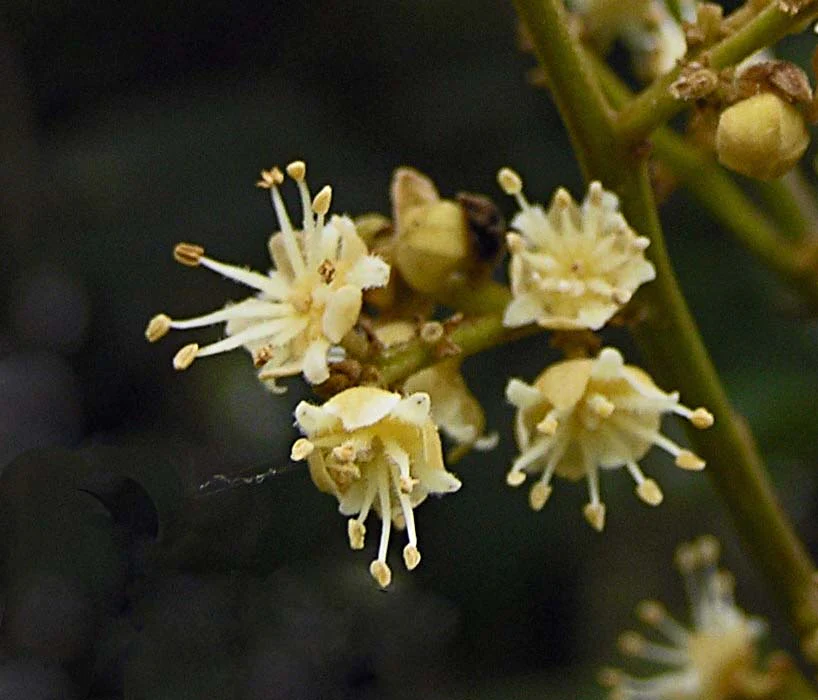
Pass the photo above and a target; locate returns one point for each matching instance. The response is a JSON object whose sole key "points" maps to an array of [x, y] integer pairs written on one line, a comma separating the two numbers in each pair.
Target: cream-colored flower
{"points": [[647, 27], [455, 410], [714, 659], [572, 266], [584, 415], [304, 306], [374, 449]]}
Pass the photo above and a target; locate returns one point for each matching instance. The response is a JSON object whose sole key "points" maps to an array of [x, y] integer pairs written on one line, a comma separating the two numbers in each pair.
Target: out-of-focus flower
{"points": [[584, 415], [647, 27], [374, 449], [572, 266], [304, 306], [712, 660]]}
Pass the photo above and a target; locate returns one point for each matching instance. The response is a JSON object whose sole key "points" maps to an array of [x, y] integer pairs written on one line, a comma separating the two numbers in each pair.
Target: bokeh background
{"points": [[127, 127]]}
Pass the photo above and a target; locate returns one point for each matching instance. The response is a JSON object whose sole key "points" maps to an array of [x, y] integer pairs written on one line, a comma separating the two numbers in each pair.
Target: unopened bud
{"points": [[761, 137]]}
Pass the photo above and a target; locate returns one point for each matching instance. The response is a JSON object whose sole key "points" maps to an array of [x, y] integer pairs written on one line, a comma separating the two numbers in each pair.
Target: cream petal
{"points": [[314, 420], [413, 409], [368, 272], [341, 312], [522, 310], [361, 406], [522, 395], [314, 365]]}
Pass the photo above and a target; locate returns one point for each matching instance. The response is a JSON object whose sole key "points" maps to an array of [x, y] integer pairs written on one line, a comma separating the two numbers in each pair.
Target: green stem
{"points": [[655, 105], [726, 201], [471, 336], [791, 201], [581, 103], [668, 335]]}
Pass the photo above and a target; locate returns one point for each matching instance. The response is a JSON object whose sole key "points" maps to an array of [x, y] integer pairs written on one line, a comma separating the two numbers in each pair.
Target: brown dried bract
{"points": [[783, 78], [486, 226], [695, 82]]}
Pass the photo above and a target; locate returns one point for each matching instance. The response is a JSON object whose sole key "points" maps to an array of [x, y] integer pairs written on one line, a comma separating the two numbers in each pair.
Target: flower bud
{"points": [[761, 137], [433, 243]]}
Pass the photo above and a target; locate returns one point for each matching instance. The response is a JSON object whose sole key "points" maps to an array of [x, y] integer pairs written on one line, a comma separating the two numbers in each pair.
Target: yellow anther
{"points": [[157, 328], [188, 254], [184, 358], [515, 477], [381, 573], [595, 515], [357, 532], [650, 492], [538, 496], [411, 556], [701, 418], [509, 181], [321, 202], [297, 170], [651, 612], [690, 461]]}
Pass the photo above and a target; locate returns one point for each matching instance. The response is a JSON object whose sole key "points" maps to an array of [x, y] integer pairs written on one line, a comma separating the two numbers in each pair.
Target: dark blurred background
{"points": [[127, 127]]}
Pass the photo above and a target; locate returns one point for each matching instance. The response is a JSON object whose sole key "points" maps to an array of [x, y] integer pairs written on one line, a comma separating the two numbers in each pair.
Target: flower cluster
{"points": [[375, 449], [712, 660], [308, 303], [372, 289], [582, 416], [572, 266]]}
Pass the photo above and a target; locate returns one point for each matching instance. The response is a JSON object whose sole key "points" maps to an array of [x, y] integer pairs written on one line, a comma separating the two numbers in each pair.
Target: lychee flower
{"points": [[304, 306], [647, 27], [572, 267], [714, 659], [375, 450], [582, 416]]}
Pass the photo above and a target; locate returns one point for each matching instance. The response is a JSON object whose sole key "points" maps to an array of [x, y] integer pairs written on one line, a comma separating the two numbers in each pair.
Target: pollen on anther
{"points": [[158, 327], [297, 170], [701, 418], [321, 202], [270, 178], [188, 254], [411, 556], [509, 181], [651, 612], [650, 492], [688, 460], [185, 357], [381, 572], [356, 531]]}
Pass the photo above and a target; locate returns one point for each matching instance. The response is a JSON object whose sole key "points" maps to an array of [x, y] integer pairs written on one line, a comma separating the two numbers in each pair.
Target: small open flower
{"points": [[572, 267], [584, 415], [305, 305], [374, 449], [712, 660]]}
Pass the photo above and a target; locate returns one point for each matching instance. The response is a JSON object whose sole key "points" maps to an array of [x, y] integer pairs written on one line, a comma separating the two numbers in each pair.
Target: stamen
{"points": [[411, 556], [279, 330], [188, 254], [516, 475], [270, 178], [287, 233], [701, 418], [185, 357], [633, 644], [647, 489], [600, 405], [690, 461], [273, 285], [653, 613], [594, 511], [386, 513], [249, 308], [321, 203], [158, 327]]}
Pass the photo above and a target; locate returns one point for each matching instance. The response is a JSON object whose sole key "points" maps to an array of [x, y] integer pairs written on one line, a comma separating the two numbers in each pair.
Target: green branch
{"points": [[668, 335], [727, 202], [655, 105]]}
